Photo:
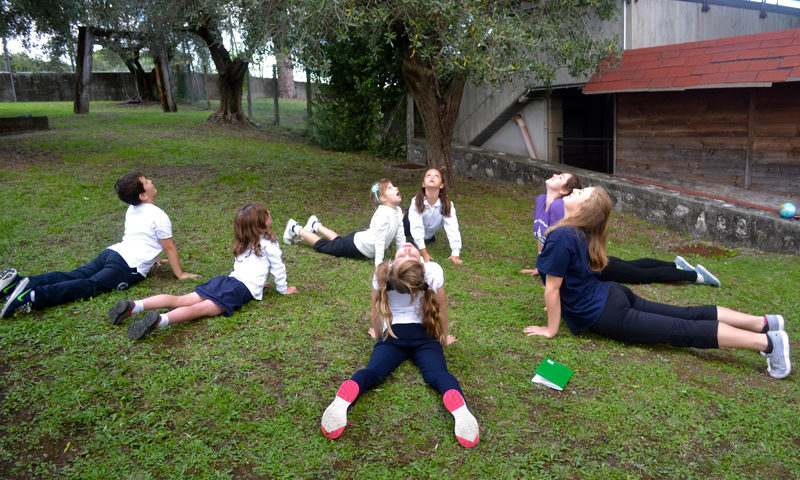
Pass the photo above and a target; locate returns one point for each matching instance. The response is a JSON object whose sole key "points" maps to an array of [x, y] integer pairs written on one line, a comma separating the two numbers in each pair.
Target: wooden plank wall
{"points": [[702, 136]]}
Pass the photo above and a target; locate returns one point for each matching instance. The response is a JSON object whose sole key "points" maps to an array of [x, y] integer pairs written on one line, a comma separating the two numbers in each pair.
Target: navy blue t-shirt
{"points": [[583, 295]]}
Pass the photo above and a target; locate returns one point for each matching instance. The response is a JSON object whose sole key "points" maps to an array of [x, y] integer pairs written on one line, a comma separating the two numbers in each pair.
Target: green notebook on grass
{"points": [[552, 374]]}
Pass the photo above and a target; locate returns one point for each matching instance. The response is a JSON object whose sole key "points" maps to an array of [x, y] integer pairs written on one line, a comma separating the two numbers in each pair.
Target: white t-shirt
{"points": [[385, 224], [252, 270], [426, 224], [403, 309], [145, 225]]}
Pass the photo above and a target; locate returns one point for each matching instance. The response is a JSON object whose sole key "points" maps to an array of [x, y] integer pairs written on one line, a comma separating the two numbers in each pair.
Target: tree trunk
{"points": [[230, 79], [144, 80], [83, 70], [285, 77], [437, 102], [161, 62]]}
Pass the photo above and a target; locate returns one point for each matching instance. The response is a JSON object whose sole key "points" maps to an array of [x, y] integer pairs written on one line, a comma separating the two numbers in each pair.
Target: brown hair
{"points": [[129, 187], [592, 220], [250, 224], [378, 189], [405, 277], [571, 184], [443, 198]]}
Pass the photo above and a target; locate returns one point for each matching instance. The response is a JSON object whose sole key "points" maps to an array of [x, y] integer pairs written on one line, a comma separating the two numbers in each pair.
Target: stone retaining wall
{"points": [[729, 224]]}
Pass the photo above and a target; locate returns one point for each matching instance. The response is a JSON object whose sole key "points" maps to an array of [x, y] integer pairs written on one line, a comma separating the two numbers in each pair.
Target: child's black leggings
{"points": [[644, 270]]}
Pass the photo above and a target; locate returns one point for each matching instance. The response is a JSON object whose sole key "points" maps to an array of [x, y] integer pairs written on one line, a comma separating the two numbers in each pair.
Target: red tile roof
{"points": [[748, 61]]}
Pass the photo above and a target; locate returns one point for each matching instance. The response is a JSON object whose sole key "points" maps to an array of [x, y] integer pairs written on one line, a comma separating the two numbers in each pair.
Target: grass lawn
{"points": [[242, 397]]}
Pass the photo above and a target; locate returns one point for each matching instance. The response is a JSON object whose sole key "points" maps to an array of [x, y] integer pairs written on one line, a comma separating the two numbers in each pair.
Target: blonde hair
{"points": [[592, 220], [249, 225], [405, 277]]}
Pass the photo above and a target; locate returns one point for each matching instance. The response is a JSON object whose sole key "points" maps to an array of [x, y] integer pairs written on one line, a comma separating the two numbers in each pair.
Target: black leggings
{"points": [[632, 319], [645, 270]]}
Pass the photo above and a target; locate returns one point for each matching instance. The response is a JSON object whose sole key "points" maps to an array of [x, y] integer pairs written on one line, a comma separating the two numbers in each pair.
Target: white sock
{"points": [[700, 279], [33, 295], [296, 229], [164, 323], [138, 307]]}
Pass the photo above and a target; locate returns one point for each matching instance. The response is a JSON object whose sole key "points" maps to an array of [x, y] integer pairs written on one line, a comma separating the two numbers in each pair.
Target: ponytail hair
{"points": [[378, 189], [592, 220], [444, 199], [406, 277]]}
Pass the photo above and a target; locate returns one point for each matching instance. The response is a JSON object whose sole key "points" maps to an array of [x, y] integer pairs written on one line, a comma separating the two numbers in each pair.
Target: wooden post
{"points": [[308, 96], [751, 130], [9, 70], [275, 93], [249, 98], [83, 71], [205, 85], [409, 127]]}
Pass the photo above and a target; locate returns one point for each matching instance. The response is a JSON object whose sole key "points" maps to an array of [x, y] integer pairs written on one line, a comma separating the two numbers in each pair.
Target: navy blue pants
{"points": [[414, 343], [645, 270], [107, 272], [632, 319]]}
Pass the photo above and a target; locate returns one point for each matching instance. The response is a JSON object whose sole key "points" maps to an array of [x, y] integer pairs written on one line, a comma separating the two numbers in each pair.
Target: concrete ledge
{"points": [[22, 124], [729, 224]]}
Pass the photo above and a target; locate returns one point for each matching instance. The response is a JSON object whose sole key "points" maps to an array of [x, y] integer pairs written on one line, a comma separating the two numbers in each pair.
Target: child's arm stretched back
{"points": [[277, 268], [168, 244]]}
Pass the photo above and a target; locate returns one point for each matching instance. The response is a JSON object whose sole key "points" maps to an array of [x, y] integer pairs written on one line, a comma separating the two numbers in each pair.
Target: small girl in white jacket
{"points": [[257, 254], [371, 243], [431, 210]]}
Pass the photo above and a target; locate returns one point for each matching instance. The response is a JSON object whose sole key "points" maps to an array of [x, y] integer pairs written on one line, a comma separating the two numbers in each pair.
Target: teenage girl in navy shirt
{"points": [[569, 265]]}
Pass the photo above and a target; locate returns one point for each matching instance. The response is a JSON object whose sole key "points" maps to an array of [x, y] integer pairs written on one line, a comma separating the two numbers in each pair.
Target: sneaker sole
{"points": [[14, 294], [336, 413], [7, 277], [120, 311], [466, 424], [788, 356], [142, 328], [287, 232]]}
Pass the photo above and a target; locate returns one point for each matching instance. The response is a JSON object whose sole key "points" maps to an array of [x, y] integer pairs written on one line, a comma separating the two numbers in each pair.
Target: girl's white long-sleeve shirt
{"points": [[253, 270], [426, 224], [406, 309], [385, 224]]}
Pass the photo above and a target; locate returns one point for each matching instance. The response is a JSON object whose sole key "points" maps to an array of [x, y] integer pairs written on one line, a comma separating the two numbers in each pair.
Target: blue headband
{"points": [[375, 191]]}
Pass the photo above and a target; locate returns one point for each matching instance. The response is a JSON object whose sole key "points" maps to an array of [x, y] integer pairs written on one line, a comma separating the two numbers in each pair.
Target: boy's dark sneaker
{"points": [[8, 281], [120, 311], [142, 328], [19, 300]]}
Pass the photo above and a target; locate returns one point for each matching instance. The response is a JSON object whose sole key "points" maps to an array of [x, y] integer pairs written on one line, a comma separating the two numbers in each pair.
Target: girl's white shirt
{"points": [[253, 270], [426, 224], [405, 309], [385, 224]]}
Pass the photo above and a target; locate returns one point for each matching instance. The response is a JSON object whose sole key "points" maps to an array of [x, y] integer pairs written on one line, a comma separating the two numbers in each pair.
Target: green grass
{"points": [[241, 397]]}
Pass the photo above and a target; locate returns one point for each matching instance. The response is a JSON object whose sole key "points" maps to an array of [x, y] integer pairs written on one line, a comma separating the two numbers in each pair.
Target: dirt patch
{"points": [[408, 166], [704, 251]]}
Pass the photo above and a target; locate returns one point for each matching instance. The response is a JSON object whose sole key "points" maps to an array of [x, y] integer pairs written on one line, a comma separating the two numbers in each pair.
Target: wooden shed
{"points": [[723, 112]]}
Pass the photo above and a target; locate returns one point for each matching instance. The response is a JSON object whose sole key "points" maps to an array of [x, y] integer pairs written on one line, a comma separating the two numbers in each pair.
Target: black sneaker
{"points": [[120, 311], [142, 328], [8, 281], [19, 300]]}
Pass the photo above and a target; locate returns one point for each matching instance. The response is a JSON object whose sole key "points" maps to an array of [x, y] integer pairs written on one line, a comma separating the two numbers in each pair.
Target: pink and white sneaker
{"points": [[467, 428], [335, 417]]}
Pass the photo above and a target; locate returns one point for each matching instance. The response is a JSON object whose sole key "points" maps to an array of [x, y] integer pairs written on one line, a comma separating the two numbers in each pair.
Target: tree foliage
{"points": [[444, 44]]}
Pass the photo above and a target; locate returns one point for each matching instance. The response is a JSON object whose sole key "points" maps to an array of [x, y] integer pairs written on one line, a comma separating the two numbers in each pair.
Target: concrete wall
{"points": [[651, 23], [117, 86], [728, 224]]}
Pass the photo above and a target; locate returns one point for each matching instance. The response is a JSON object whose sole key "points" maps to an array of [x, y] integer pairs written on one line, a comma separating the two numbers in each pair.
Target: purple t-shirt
{"points": [[542, 220], [583, 295]]}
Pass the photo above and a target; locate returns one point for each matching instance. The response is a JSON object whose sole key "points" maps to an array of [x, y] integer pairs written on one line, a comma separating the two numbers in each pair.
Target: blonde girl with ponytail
{"points": [[409, 321]]}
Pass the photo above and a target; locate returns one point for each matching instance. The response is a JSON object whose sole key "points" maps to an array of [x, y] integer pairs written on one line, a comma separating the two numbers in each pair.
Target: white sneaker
{"points": [[779, 362], [288, 232], [312, 224]]}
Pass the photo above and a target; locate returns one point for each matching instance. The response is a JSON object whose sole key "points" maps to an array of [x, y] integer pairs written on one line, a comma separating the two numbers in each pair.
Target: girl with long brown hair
{"points": [[256, 253], [574, 253], [409, 322], [429, 212]]}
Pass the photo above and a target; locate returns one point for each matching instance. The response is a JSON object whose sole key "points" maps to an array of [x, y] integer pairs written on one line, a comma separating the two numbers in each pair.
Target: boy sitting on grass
{"points": [[148, 231]]}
